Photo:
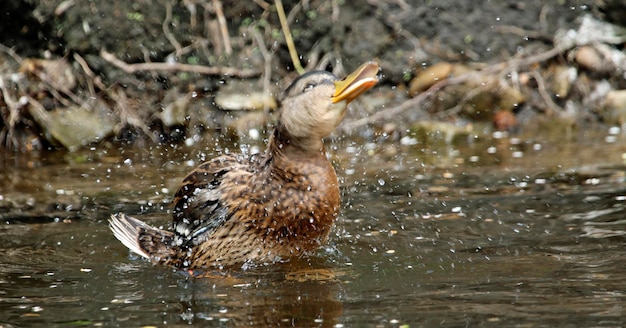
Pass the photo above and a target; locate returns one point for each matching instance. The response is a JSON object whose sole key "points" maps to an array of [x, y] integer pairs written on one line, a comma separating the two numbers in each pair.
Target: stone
{"points": [[75, 126]]}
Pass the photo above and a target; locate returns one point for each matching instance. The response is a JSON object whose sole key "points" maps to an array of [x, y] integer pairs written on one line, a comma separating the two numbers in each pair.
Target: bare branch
{"points": [[543, 91], [267, 57], [177, 67], [166, 30], [11, 53], [221, 19]]}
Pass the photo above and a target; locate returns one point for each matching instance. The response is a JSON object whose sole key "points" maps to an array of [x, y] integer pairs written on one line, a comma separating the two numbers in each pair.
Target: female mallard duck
{"points": [[236, 209]]}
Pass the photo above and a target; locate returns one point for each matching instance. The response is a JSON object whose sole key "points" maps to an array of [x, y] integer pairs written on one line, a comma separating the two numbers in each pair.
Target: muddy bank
{"points": [[75, 74]]}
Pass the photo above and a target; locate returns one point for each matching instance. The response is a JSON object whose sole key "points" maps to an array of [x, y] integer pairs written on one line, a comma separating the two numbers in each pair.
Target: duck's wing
{"points": [[198, 205]]}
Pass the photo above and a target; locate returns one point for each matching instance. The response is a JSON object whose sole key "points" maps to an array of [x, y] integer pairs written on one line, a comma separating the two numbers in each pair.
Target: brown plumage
{"points": [[236, 209]]}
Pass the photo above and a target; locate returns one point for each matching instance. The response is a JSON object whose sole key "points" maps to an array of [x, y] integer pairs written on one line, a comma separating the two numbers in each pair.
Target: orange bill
{"points": [[356, 83]]}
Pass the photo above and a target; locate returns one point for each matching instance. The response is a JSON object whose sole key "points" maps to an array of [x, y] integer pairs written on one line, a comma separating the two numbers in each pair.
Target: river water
{"points": [[479, 230]]}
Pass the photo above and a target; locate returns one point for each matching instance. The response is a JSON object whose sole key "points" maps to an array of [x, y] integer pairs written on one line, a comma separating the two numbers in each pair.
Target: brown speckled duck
{"points": [[236, 209]]}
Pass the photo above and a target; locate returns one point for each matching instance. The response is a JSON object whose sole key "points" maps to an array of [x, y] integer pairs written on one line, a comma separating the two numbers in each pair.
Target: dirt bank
{"points": [[68, 65]]}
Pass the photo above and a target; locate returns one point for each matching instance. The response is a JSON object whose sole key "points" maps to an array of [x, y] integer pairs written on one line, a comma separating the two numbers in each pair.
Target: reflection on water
{"points": [[488, 231]]}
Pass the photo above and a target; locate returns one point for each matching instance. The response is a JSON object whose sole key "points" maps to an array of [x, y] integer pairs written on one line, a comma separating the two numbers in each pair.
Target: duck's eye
{"points": [[308, 87]]}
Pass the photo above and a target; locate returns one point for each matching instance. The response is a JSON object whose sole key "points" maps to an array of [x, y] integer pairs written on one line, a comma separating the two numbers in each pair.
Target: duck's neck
{"points": [[284, 148]]}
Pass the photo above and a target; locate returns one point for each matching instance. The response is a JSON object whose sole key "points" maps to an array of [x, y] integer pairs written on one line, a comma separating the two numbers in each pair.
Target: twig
{"points": [[288, 38], [541, 87], [63, 7], [177, 67], [334, 16], [267, 58], [294, 11], [193, 11], [128, 116], [93, 79], [11, 53], [223, 26], [523, 33], [527, 61], [13, 117], [262, 4], [55, 87], [166, 30], [545, 10]]}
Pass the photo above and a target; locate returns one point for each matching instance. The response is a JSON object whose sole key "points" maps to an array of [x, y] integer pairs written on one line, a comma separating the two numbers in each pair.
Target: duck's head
{"points": [[315, 103]]}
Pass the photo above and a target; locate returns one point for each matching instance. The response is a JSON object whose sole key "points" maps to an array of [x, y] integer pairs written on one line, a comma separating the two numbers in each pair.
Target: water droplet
{"points": [[615, 130], [254, 134], [408, 141], [370, 146]]}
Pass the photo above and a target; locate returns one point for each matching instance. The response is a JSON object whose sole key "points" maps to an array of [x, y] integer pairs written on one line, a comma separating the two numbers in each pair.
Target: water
{"points": [[526, 231]]}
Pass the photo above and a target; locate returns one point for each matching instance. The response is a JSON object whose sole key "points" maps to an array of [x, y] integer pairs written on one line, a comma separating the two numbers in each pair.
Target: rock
{"points": [[613, 59], [479, 99], [244, 95], [430, 132], [614, 109], [426, 78], [56, 72], [509, 97], [504, 120], [75, 126], [588, 58], [177, 111], [560, 79]]}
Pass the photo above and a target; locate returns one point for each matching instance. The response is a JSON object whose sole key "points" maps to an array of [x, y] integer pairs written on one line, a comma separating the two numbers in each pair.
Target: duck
{"points": [[237, 209]]}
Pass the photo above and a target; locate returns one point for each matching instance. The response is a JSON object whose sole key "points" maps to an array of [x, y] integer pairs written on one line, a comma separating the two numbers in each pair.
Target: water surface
{"points": [[481, 230]]}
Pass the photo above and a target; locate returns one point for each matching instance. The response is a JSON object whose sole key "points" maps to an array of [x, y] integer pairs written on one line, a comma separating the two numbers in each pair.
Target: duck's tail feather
{"points": [[143, 239]]}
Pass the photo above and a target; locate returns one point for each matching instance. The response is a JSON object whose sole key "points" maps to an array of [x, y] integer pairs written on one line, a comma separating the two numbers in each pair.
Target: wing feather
{"points": [[198, 205]]}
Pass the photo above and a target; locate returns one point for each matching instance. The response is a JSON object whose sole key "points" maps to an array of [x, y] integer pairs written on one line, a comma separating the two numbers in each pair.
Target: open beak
{"points": [[356, 83]]}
